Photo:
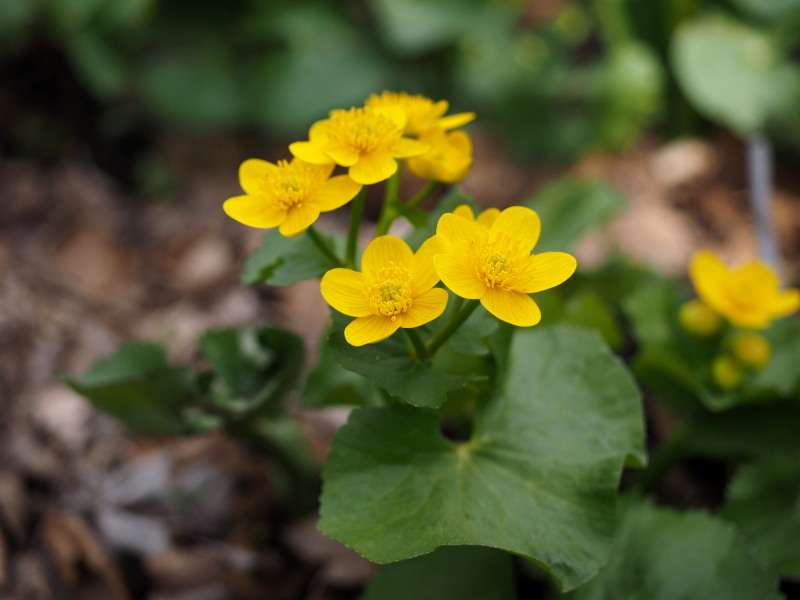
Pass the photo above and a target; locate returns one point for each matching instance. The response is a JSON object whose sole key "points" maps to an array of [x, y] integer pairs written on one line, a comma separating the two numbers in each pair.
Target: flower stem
{"points": [[419, 347], [323, 246], [356, 216], [390, 200], [759, 167], [426, 192], [451, 327]]}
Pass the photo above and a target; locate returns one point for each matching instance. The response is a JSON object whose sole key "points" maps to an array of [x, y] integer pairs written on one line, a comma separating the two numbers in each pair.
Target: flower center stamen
{"points": [[363, 130], [392, 292], [292, 184]]}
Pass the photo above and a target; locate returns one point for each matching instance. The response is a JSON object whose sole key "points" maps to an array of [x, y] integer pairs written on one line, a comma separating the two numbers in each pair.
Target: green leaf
{"points": [[450, 573], [570, 208], [280, 261], [254, 368], [538, 478], [660, 554], [138, 387], [329, 384], [780, 13], [734, 73], [587, 309], [389, 365], [763, 503], [763, 429]]}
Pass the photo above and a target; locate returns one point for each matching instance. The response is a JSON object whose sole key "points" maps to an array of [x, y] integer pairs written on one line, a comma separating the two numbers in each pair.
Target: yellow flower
{"points": [[485, 219], [289, 195], [494, 264], [367, 141], [448, 158], [394, 289], [421, 113], [748, 296]]}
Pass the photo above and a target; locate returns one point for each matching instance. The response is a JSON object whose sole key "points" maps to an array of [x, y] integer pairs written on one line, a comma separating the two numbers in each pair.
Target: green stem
{"points": [[419, 347], [356, 216], [424, 194], [451, 327], [323, 246], [390, 200], [672, 450]]}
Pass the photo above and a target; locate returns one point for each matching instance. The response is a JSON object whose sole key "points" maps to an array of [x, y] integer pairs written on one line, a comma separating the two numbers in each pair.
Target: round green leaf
{"points": [[762, 502], [664, 555], [734, 73], [538, 478]]}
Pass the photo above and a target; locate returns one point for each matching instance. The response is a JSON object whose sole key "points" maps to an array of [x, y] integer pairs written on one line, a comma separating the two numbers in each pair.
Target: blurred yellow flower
{"points": [[494, 264], [394, 289], [485, 219], [367, 141], [748, 296], [288, 195], [421, 112], [448, 158]]}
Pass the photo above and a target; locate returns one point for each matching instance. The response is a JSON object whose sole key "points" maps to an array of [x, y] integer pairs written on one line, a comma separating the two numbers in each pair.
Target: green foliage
{"points": [[138, 387], [537, 477], [570, 208], [449, 573], [281, 261], [734, 73], [660, 554], [762, 502]]}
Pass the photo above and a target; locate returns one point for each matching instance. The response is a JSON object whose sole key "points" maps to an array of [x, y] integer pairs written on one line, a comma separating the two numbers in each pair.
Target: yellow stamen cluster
{"points": [[496, 262], [363, 130], [392, 293], [292, 183]]}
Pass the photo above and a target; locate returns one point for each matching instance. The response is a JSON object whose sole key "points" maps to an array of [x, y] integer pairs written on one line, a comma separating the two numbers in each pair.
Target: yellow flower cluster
{"points": [[367, 141], [487, 259]]}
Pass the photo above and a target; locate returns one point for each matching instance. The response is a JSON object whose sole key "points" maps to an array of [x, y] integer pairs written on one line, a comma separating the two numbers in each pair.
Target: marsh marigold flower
{"points": [[394, 289], [748, 296], [485, 219], [448, 158], [367, 141], [288, 195], [494, 264], [421, 112]]}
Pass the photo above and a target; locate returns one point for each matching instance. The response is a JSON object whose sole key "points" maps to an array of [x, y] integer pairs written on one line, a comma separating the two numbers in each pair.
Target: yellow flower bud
{"points": [[726, 373], [697, 319], [751, 350]]}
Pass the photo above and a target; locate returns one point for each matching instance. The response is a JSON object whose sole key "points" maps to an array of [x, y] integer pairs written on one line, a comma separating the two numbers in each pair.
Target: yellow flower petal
{"points": [[452, 121], [422, 270], [459, 231], [252, 173], [512, 307], [547, 270], [394, 113], [382, 252], [343, 289], [406, 147], [520, 224], [344, 156], [310, 153], [298, 219], [372, 168], [335, 192], [426, 308], [708, 274], [785, 303], [371, 329], [465, 211], [488, 217], [253, 212], [459, 275]]}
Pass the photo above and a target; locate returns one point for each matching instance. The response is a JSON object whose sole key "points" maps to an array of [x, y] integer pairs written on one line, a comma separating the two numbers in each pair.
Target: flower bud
{"points": [[726, 373], [751, 350], [698, 320]]}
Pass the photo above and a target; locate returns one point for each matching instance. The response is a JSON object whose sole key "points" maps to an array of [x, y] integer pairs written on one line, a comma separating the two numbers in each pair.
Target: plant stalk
{"points": [[759, 168], [390, 200], [451, 327], [324, 247], [356, 217]]}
